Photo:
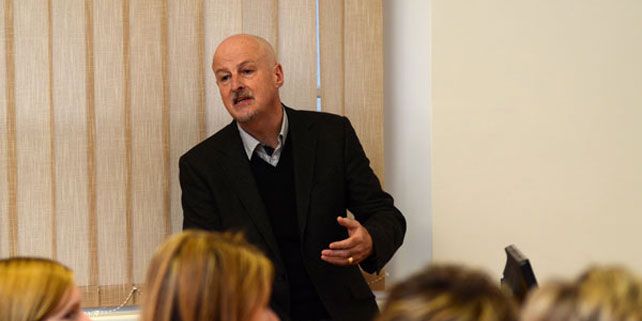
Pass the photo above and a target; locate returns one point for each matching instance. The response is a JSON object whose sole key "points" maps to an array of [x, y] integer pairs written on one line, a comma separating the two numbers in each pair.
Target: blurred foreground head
{"points": [[38, 289], [448, 293], [607, 293], [205, 276]]}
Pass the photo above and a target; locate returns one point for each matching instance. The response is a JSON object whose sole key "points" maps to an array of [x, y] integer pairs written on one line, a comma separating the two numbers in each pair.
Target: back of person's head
{"points": [[606, 293], [553, 301], [206, 276], [33, 289], [448, 293], [610, 293]]}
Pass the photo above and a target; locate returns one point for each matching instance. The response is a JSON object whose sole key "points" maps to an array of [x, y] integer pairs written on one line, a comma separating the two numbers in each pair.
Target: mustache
{"points": [[240, 95]]}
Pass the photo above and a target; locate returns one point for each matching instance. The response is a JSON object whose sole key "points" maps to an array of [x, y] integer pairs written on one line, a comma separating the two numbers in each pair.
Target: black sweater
{"points": [[276, 186]]}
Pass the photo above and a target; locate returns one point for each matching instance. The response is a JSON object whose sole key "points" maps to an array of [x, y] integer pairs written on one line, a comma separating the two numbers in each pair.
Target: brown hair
{"points": [[204, 276], [448, 293], [32, 288]]}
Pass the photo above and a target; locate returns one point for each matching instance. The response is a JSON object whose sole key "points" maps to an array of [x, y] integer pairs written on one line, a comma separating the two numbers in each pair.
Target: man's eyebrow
{"points": [[243, 63], [246, 62], [220, 70]]}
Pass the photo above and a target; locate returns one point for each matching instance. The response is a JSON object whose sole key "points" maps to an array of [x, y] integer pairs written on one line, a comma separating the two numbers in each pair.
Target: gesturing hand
{"points": [[356, 248]]}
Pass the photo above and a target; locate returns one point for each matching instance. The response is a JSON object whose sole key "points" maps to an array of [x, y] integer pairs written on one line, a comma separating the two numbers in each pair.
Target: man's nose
{"points": [[237, 83]]}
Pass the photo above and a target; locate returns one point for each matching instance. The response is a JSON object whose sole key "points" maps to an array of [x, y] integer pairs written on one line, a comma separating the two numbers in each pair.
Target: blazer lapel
{"points": [[240, 176], [304, 154]]}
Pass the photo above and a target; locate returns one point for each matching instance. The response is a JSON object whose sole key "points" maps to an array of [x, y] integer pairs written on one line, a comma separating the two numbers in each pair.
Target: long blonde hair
{"points": [[206, 276], [32, 289]]}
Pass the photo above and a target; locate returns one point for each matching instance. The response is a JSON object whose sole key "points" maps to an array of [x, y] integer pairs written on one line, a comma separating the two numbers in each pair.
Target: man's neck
{"points": [[266, 129]]}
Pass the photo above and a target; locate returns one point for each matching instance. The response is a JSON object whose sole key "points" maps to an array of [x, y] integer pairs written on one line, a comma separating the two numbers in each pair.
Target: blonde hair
{"points": [[203, 276], [553, 301], [607, 293], [31, 289], [610, 293], [448, 293]]}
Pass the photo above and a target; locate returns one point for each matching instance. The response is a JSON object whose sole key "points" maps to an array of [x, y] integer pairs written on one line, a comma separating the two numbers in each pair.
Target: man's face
{"points": [[247, 77]]}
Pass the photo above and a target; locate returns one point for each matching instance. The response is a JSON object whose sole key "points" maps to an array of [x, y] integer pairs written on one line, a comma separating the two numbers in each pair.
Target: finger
{"points": [[348, 222], [340, 261], [344, 244], [336, 253]]}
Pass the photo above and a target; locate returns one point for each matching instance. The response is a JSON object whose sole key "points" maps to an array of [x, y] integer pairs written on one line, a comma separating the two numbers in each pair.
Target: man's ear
{"points": [[279, 78]]}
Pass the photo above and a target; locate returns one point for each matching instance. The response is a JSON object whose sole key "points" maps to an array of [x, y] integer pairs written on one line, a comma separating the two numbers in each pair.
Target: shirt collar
{"points": [[250, 143]]}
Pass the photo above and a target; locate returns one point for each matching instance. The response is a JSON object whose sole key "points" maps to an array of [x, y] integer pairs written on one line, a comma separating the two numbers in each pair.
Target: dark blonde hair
{"points": [[610, 293], [204, 276], [553, 301], [448, 293], [32, 288], [605, 293]]}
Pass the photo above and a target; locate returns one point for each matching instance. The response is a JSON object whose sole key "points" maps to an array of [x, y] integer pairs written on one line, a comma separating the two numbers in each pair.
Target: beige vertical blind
{"points": [[5, 156], [99, 98]]}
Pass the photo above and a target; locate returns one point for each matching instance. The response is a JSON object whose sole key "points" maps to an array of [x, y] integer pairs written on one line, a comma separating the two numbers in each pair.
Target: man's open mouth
{"points": [[241, 99]]}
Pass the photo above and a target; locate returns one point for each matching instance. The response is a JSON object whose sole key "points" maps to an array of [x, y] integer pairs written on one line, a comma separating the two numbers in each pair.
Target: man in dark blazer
{"points": [[286, 178]]}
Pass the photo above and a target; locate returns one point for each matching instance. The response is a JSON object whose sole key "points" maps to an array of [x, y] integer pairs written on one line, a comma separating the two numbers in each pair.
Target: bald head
{"points": [[248, 78], [241, 43]]}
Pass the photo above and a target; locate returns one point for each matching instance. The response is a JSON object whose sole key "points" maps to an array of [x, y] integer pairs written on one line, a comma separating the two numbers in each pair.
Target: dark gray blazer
{"points": [[331, 173]]}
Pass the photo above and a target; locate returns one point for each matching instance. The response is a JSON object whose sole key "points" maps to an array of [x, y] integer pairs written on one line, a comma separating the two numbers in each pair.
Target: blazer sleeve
{"points": [[371, 206], [199, 207]]}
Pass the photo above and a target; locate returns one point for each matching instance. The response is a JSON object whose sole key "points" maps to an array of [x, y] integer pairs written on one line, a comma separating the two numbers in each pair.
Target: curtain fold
{"points": [[100, 98]]}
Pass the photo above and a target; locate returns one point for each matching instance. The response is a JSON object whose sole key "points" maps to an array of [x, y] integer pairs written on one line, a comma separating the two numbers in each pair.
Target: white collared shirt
{"points": [[253, 145]]}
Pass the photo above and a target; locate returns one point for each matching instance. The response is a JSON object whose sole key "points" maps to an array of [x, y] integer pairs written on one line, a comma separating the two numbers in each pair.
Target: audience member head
{"points": [[553, 301], [448, 293], [606, 293], [37, 289], [206, 276], [610, 293]]}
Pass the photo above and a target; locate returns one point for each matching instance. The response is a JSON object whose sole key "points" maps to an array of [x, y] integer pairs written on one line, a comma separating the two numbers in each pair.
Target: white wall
{"points": [[407, 127], [537, 132], [529, 114]]}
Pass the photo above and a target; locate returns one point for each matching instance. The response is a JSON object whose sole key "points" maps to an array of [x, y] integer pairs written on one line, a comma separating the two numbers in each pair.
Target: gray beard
{"points": [[245, 118]]}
